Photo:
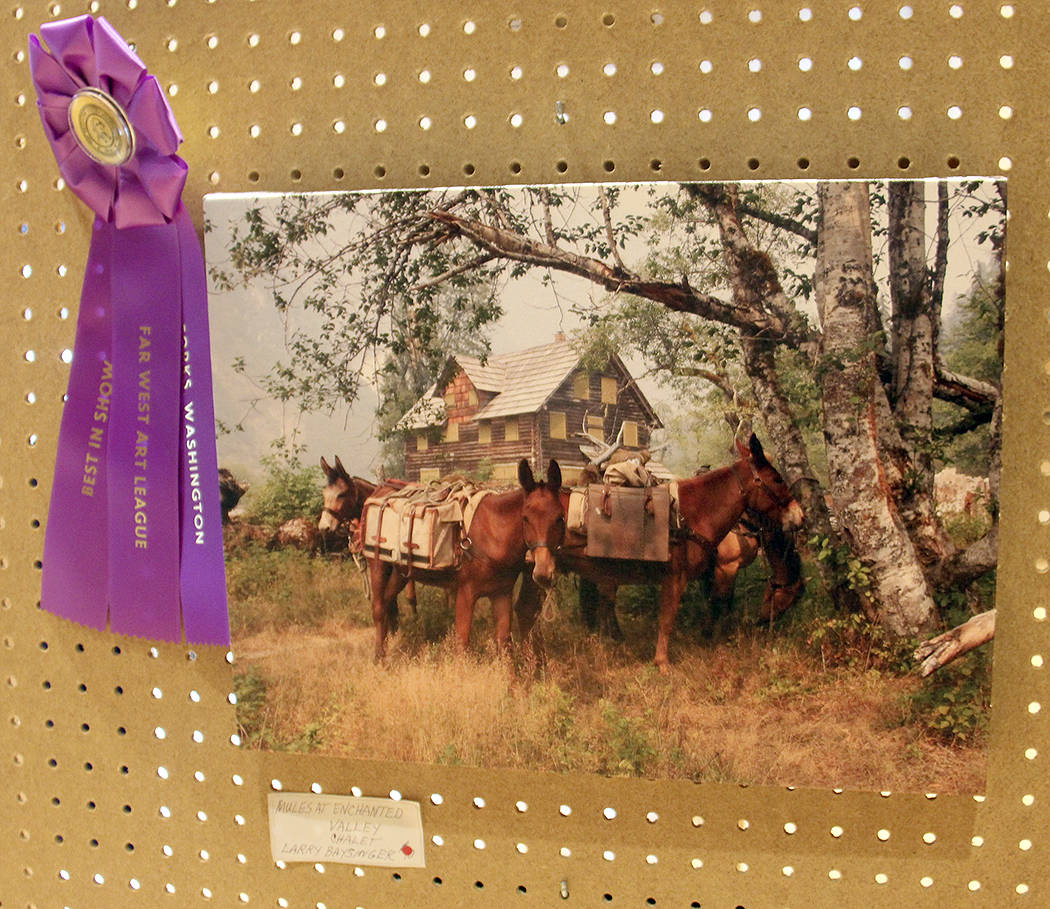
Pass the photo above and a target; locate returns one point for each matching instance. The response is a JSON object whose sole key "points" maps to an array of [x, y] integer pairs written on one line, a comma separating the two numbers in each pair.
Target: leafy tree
{"points": [[768, 295]]}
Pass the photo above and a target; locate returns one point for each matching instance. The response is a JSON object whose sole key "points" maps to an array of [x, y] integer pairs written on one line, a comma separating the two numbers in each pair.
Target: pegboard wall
{"points": [[123, 784]]}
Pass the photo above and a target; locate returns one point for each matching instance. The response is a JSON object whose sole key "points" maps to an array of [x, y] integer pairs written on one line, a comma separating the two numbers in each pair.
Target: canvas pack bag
{"points": [[418, 526]]}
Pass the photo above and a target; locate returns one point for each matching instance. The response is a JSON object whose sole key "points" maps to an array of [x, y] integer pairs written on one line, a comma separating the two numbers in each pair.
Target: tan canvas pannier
{"points": [[413, 532]]}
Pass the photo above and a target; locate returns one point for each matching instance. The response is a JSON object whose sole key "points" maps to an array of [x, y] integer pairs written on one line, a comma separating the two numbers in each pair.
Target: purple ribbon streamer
{"points": [[203, 568], [144, 432], [134, 529], [78, 510]]}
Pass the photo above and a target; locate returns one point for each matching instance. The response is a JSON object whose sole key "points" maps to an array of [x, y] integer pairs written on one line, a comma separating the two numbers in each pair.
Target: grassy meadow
{"points": [[816, 700]]}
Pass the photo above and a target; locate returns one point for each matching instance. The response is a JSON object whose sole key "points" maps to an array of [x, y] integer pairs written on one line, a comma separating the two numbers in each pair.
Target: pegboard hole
{"points": [[705, 115], [805, 64], [706, 66], [905, 62], [853, 163], [903, 163], [608, 20]]}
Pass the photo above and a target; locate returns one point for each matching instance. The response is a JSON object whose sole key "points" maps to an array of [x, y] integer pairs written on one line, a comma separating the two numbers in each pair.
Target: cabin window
{"points": [[429, 474], [451, 432], [450, 397], [581, 386], [504, 473], [630, 433], [570, 476], [596, 426], [557, 424], [472, 397], [422, 442], [510, 429], [609, 389], [484, 433]]}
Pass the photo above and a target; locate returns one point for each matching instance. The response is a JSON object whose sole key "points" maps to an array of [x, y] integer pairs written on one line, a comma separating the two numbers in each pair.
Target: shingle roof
{"points": [[522, 381], [530, 377], [490, 376]]}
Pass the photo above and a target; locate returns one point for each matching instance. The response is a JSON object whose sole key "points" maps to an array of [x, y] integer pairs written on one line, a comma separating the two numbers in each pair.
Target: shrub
{"points": [[953, 704], [289, 491]]}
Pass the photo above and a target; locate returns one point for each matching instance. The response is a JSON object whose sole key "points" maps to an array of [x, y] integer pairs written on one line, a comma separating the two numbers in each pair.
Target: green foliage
{"points": [[289, 587], [953, 704], [289, 491], [432, 622], [854, 642], [628, 741], [844, 565], [251, 687]]}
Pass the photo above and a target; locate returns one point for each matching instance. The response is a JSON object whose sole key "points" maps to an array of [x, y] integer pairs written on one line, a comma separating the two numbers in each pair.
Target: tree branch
{"points": [[675, 297], [607, 218], [944, 648], [973, 394], [791, 225]]}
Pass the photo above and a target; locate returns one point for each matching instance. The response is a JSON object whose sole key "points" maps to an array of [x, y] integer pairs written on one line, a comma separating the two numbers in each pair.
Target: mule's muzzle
{"points": [[792, 518]]}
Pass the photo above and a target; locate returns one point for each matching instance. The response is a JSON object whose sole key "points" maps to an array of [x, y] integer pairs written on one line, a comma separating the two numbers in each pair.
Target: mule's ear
{"points": [[756, 450], [339, 467], [326, 467], [554, 476], [741, 450], [525, 477]]}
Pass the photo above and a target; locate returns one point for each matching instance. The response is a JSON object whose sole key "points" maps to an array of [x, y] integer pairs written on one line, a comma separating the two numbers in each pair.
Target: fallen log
{"points": [[944, 648]]}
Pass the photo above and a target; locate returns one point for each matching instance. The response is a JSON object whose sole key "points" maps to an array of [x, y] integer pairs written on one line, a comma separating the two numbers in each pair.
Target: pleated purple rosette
{"points": [[134, 535]]}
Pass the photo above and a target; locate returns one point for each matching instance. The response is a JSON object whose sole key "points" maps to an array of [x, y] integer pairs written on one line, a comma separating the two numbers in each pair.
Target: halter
{"points": [[331, 511], [780, 500]]}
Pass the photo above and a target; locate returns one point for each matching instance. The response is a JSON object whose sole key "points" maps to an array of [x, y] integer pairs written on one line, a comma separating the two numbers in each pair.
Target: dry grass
{"points": [[761, 707], [758, 708]]}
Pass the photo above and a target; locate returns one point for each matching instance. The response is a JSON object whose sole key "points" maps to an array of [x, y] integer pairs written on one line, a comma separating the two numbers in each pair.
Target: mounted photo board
{"points": [[128, 774]]}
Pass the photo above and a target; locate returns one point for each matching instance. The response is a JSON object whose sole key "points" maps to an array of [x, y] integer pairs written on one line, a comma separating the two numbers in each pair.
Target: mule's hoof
{"points": [[664, 667]]}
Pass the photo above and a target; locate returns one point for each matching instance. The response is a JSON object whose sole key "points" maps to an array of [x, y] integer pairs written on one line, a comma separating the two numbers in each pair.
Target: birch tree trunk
{"points": [[850, 391]]}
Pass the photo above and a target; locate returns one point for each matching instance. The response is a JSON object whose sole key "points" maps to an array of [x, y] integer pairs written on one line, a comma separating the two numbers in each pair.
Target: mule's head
{"points": [[340, 498], [769, 498], [543, 520]]}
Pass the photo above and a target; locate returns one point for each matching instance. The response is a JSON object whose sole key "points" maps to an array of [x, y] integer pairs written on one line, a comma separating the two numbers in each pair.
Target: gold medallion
{"points": [[101, 127]]}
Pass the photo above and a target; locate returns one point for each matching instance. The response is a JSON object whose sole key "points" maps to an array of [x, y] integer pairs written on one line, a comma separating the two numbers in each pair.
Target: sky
{"points": [[245, 323]]}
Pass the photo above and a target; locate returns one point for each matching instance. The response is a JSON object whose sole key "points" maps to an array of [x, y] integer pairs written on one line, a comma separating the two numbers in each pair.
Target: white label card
{"points": [[343, 829]]}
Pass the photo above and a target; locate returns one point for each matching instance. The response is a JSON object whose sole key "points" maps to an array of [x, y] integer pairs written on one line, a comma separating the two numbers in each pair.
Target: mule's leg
{"points": [[670, 597], [410, 596], [720, 599], [386, 584], [527, 607], [590, 603], [501, 609], [379, 574], [608, 624], [465, 600]]}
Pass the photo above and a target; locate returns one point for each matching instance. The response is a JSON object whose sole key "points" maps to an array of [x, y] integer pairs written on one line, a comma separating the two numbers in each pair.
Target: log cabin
{"points": [[480, 418]]}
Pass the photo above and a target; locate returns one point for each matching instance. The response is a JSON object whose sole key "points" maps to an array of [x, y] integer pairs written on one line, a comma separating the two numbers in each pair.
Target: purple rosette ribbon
{"points": [[134, 535]]}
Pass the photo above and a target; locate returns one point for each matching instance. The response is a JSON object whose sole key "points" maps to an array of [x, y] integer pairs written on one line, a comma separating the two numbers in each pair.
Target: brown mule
{"points": [[710, 506], [508, 529]]}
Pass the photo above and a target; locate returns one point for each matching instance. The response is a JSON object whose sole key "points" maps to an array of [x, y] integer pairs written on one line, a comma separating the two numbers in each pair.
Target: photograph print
{"points": [[672, 481]]}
